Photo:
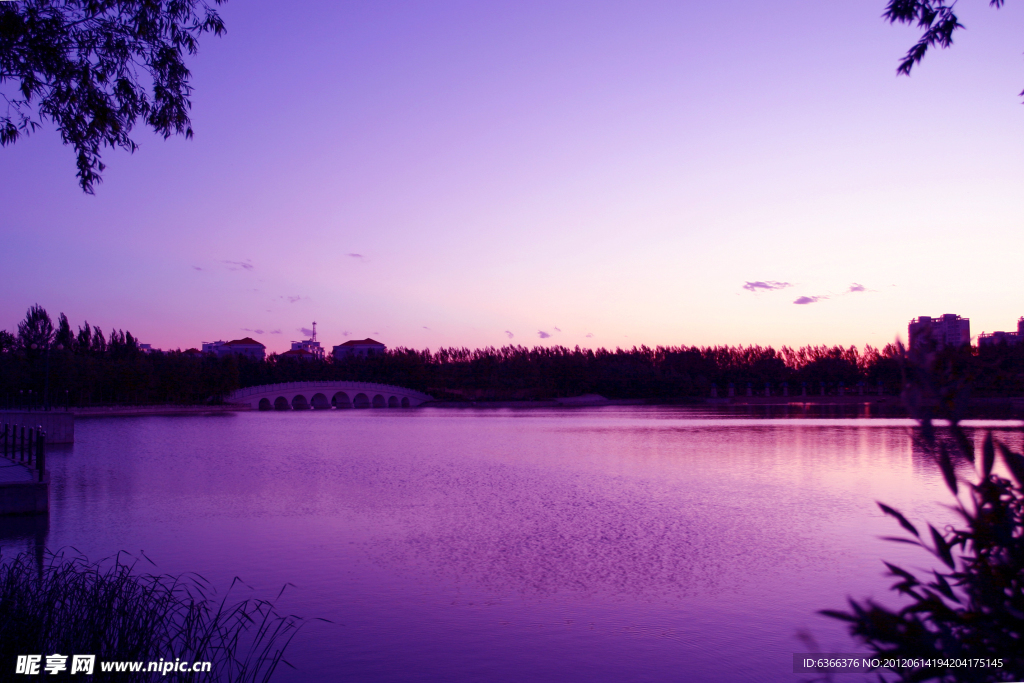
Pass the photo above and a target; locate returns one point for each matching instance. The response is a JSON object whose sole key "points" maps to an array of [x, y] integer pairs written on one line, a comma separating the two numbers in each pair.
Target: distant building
{"points": [[359, 347], [309, 346], [247, 346], [1007, 338], [946, 330], [299, 354]]}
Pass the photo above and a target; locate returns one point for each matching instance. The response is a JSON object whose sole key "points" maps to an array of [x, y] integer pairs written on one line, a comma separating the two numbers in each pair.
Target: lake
{"points": [[593, 544]]}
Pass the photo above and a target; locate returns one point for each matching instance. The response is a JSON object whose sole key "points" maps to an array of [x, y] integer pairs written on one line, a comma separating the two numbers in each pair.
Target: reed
{"points": [[69, 605]]}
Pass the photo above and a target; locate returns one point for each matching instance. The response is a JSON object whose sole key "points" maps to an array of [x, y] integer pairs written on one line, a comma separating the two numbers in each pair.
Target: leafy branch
{"points": [[95, 67], [974, 607], [937, 22]]}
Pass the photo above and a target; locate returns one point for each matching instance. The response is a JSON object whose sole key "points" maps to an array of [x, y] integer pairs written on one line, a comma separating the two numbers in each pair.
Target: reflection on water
{"points": [[587, 535], [606, 544], [20, 533]]}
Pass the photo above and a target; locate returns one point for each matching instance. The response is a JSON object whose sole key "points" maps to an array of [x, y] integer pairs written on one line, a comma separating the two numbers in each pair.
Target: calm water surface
{"points": [[605, 544]]}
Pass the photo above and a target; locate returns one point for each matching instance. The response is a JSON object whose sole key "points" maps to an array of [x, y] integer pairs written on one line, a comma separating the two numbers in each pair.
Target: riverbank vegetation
{"points": [[88, 366], [71, 606]]}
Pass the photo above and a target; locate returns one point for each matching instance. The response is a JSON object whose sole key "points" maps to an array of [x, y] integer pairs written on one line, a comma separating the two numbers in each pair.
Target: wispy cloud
{"points": [[542, 334], [292, 299], [765, 286], [854, 288], [590, 334], [345, 333], [275, 332], [509, 334], [557, 330], [306, 331], [246, 329], [356, 256], [196, 268], [239, 265]]}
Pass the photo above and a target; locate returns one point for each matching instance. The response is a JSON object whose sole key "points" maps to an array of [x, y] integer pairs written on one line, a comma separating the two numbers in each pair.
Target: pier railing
{"points": [[24, 445]]}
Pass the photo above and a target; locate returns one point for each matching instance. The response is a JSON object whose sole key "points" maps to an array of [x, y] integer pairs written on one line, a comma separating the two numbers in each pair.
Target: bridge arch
{"points": [[324, 395]]}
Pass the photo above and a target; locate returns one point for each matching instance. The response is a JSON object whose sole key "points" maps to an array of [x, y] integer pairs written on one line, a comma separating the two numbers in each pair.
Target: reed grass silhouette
{"points": [[66, 604]]}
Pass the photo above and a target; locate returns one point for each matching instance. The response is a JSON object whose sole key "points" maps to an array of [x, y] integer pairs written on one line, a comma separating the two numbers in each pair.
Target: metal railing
{"points": [[30, 401], [24, 445]]}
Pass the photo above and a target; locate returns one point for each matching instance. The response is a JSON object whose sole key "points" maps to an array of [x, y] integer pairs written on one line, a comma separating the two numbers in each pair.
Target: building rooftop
{"points": [[249, 341], [362, 342]]}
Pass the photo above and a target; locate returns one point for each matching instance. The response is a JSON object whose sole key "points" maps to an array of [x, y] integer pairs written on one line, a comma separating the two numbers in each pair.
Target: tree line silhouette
{"points": [[52, 363]]}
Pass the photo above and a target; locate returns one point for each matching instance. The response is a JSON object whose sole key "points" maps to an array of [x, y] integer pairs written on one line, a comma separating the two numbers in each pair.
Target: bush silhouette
{"points": [[973, 608]]}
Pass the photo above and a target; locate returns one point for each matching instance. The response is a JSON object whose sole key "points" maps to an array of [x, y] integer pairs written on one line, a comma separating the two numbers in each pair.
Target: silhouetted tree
{"points": [[99, 343], [36, 330], [935, 18], [94, 67], [84, 340], [94, 368], [64, 336]]}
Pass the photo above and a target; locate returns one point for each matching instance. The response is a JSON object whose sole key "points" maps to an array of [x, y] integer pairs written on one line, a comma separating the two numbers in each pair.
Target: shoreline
{"points": [[133, 411], [1014, 404]]}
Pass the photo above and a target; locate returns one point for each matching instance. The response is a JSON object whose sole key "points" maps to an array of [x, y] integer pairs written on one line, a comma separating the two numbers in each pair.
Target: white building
{"points": [[946, 330], [246, 346], [308, 346], [359, 347]]}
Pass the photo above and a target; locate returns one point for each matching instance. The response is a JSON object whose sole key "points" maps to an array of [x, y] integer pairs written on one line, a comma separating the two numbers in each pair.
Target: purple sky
{"points": [[603, 173]]}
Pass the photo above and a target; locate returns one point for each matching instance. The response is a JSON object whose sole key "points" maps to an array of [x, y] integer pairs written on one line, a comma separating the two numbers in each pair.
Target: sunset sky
{"points": [[604, 173]]}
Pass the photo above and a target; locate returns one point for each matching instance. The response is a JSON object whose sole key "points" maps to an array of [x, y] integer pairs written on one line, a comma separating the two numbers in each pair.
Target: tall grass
{"points": [[69, 605]]}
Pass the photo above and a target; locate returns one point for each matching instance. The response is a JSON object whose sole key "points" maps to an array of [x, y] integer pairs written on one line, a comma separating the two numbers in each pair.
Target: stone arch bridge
{"points": [[327, 395]]}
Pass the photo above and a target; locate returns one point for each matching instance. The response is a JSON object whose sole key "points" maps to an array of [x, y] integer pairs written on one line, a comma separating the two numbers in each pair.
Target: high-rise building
{"points": [[1007, 338], [946, 330]]}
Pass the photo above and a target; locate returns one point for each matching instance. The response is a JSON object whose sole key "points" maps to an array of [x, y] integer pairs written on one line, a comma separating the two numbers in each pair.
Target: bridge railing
{"points": [[25, 446], [352, 386]]}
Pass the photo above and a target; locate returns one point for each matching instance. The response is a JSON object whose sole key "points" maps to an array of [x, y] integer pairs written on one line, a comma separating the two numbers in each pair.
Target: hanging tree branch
{"points": [[95, 67], [936, 20]]}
